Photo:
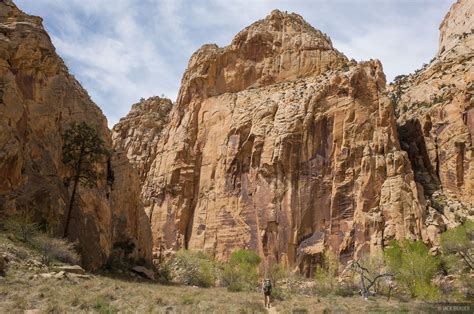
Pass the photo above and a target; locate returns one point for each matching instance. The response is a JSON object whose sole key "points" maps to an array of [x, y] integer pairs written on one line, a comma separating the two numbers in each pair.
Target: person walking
{"points": [[267, 291]]}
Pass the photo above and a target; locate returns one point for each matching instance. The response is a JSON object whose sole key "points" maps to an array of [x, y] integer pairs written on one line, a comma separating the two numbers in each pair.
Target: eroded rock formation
{"points": [[39, 99], [138, 133], [279, 143], [435, 115]]}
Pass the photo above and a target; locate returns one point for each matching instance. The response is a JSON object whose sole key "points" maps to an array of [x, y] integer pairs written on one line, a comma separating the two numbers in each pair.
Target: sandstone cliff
{"points": [[278, 143], [435, 117], [138, 133], [39, 99]]}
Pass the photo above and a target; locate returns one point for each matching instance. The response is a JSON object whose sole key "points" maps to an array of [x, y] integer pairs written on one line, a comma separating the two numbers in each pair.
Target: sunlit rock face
{"points": [[280, 144], [39, 100], [435, 117], [138, 133]]}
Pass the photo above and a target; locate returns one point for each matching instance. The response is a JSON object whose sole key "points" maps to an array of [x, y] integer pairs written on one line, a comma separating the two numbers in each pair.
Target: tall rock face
{"points": [[138, 133], [435, 117], [39, 100], [278, 49], [278, 143]]}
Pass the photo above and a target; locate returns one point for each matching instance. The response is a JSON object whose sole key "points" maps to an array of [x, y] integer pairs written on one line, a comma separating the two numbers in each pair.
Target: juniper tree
{"points": [[82, 150]]}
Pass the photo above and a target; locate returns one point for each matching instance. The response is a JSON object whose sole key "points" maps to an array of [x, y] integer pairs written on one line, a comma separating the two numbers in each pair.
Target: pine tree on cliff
{"points": [[82, 150]]}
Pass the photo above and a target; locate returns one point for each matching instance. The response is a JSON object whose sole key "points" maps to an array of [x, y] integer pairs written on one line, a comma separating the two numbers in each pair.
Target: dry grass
{"points": [[109, 295], [106, 293]]}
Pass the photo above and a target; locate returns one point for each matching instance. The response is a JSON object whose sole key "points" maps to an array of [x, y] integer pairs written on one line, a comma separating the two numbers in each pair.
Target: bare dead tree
{"points": [[368, 279]]}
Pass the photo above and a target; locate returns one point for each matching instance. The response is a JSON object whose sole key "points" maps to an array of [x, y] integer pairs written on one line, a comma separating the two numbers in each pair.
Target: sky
{"points": [[123, 50]]}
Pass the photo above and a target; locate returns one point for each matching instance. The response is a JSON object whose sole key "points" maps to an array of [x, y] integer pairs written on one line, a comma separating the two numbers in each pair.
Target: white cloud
{"points": [[122, 50]]}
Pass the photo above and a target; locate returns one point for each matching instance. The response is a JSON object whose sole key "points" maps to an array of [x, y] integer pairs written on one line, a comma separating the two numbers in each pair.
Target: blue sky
{"points": [[122, 50]]}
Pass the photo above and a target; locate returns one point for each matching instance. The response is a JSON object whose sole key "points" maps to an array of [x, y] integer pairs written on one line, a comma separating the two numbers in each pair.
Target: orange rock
{"points": [[39, 99], [277, 143], [435, 111], [435, 117]]}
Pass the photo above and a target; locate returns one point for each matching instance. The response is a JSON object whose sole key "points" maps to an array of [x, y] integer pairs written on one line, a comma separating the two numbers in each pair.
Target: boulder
{"points": [[75, 269], [144, 272], [47, 275]]}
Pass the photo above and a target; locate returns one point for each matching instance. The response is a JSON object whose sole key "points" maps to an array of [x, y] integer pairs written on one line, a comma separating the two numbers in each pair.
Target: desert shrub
{"points": [[164, 270], [187, 299], [102, 306], [55, 249], [296, 283], [376, 273], [241, 257], [344, 290], [457, 246], [23, 226], [325, 275], [467, 287], [241, 274], [195, 268], [119, 257], [278, 294], [277, 272], [414, 267]]}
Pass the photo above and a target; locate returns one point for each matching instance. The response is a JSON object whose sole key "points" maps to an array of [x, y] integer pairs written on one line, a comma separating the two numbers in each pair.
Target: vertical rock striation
{"points": [[435, 117], [39, 99], [280, 144], [138, 133]]}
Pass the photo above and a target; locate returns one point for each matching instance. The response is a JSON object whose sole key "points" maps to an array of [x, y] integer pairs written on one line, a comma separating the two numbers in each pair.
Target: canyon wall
{"points": [[39, 100], [280, 144], [435, 117]]}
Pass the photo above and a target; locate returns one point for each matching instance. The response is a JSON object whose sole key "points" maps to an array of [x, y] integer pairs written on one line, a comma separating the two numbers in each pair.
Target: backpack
{"points": [[267, 287]]}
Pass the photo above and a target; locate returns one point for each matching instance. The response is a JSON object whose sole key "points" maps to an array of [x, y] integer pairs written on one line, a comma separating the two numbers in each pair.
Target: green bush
{"points": [[457, 246], [241, 274], [196, 268], [244, 257], [278, 294], [325, 275], [414, 267], [164, 270], [187, 299], [278, 272]]}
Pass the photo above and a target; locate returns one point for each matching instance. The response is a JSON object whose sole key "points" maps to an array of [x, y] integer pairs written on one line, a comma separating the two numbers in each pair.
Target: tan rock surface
{"points": [[456, 26], [138, 133], [278, 143], [279, 48], [39, 99], [435, 109]]}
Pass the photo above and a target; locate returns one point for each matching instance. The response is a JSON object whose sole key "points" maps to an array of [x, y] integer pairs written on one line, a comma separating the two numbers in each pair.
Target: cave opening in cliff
{"points": [[412, 140]]}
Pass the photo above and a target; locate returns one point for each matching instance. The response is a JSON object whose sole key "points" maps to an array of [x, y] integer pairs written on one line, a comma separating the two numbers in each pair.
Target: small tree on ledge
{"points": [[82, 150]]}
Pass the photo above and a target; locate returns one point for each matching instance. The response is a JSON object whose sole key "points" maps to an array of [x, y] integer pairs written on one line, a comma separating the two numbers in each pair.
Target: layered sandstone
{"points": [[435, 114], [280, 48], [278, 143], [39, 100], [138, 133]]}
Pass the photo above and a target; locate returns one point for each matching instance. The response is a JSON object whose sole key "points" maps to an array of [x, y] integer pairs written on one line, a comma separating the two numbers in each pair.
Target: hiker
{"points": [[267, 291]]}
